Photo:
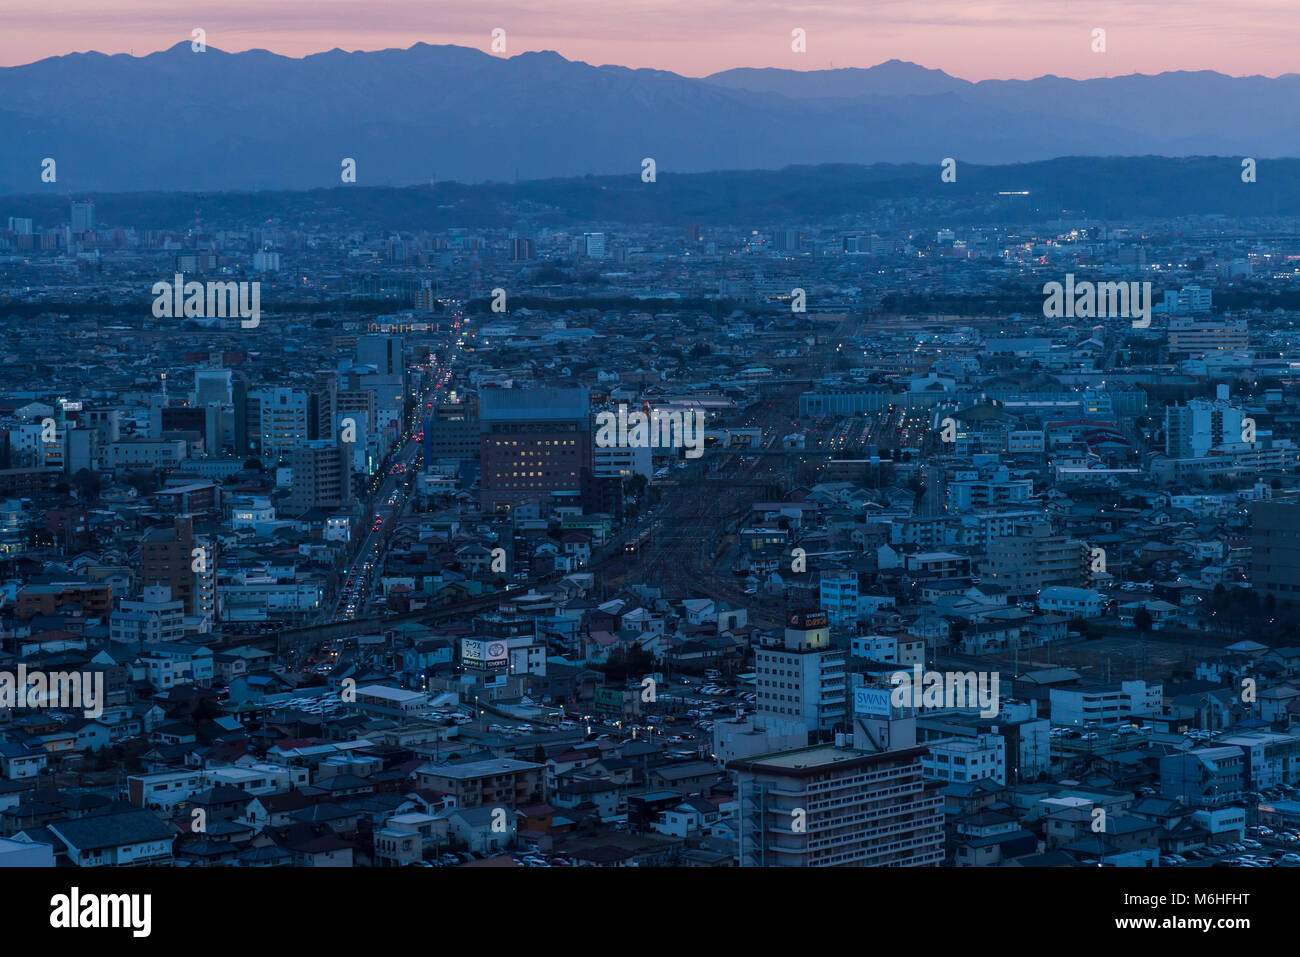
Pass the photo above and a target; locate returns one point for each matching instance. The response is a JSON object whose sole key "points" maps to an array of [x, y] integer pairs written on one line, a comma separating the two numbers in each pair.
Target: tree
{"points": [[87, 484], [143, 482], [1142, 619]]}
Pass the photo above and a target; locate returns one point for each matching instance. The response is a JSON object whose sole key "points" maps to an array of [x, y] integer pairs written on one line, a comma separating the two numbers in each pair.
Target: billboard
{"points": [[610, 700], [486, 653], [873, 701]]}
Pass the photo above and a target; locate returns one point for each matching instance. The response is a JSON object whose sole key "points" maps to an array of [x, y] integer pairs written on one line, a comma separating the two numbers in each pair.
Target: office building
{"points": [[186, 564], [1193, 429], [1188, 299], [153, 618], [802, 679], [622, 461], [276, 422], [322, 476], [83, 217], [1031, 558], [1275, 550], [1201, 335], [532, 443], [212, 385], [1081, 705], [859, 809], [451, 433], [838, 597]]}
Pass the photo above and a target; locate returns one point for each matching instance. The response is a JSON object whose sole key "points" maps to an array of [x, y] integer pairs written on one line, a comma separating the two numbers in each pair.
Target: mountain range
{"points": [[216, 121]]}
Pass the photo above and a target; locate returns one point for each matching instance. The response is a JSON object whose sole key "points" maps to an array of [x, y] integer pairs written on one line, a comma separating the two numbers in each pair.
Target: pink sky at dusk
{"points": [[974, 39]]}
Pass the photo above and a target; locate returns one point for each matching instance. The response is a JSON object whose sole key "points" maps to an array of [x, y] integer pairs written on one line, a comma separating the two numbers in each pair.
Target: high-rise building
{"points": [[835, 806], [1208, 335], [838, 594], [802, 680], [154, 618], [622, 461], [1031, 558], [322, 402], [594, 245], [1189, 299], [322, 475], [384, 352], [212, 385], [1275, 550], [177, 420], [276, 422], [532, 443], [242, 414], [174, 557], [266, 261], [451, 433], [1193, 429], [785, 240], [83, 217]]}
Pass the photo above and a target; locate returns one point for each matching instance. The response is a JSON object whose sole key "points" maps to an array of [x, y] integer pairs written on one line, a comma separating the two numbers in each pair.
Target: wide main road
{"points": [[388, 495]]}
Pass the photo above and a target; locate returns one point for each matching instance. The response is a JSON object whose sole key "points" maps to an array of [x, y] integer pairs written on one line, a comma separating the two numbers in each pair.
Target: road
{"points": [[388, 498]]}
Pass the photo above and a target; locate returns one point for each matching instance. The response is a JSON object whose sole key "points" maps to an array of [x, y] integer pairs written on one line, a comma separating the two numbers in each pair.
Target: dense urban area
{"points": [[777, 544]]}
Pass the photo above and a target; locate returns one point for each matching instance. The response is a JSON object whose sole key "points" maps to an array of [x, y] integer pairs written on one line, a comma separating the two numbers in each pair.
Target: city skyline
{"points": [[461, 452]]}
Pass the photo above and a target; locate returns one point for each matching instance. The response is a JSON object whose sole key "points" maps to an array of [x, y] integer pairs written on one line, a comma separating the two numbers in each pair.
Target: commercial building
{"points": [[1275, 549], [532, 443], [322, 476], [802, 680], [1105, 704], [154, 618], [451, 433], [173, 557], [1207, 335], [830, 806], [1031, 558], [1193, 429], [838, 594]]}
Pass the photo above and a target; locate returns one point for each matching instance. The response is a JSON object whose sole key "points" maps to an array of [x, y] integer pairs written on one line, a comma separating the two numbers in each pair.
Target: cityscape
{"points": [[939, 520]]}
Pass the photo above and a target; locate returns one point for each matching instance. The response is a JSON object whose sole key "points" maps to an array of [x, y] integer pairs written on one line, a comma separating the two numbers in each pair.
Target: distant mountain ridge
{"points": [[179, 120]]}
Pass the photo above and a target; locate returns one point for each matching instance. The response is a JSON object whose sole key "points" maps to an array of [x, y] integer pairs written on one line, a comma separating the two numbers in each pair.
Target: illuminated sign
{"points": [[809, 620]]}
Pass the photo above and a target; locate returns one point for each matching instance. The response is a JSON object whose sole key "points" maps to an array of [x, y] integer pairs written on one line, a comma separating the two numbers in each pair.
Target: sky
{"points": [[972, 39]]}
